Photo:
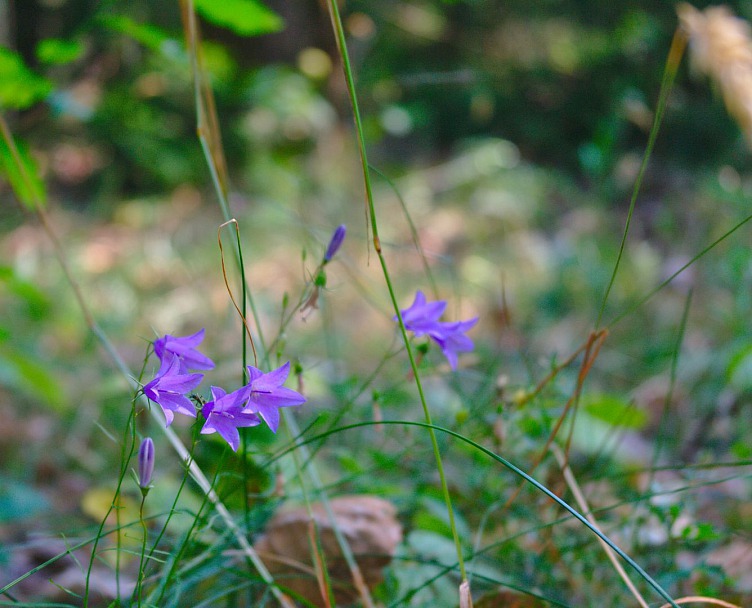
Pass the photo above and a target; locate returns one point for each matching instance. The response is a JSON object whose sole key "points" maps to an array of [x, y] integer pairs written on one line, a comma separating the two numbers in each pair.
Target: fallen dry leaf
{"points": [[368, 523]]}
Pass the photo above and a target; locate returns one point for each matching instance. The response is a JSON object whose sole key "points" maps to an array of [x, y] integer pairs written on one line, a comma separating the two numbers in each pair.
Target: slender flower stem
{"points": [[371, 213], [140, 582], [195, 471], [669, 75]]}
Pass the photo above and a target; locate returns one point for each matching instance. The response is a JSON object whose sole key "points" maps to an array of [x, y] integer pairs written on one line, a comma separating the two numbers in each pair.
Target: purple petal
{"points": [[178, 403], [270, 414], [280, 397], [336, 242], [183, 348], [452, 339], [422, 316], [267, 394], [227, 425], [145, 462], [254, 373], [428, 312], [189, 341], [179, 384], [272, 380], [225, 428]]}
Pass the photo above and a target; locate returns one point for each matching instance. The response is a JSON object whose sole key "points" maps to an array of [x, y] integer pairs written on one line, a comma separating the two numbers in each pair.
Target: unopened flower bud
{"points": [[145, 464], [335, 243]]}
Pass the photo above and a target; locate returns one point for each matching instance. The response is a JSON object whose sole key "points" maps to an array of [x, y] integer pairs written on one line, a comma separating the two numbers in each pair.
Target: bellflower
{"points": [[452, 339], [145, 463], [170, 386], [422, 318], [335, 242], [225, 413], [184, 350], [267, 394]]}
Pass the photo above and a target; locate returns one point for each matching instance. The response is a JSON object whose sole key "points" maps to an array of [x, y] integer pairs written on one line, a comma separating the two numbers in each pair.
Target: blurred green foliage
{"points": [[447, 84], [572, 84]]}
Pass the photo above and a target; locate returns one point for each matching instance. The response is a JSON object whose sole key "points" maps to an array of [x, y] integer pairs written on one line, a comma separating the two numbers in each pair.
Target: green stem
{"points": [[669, 75], [517, 471], [371, 212], [125, 459], [140, 582], [413, 230]]}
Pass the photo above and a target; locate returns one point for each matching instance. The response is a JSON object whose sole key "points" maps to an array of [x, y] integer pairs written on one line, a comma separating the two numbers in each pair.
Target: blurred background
{"points": [[512, 132]]}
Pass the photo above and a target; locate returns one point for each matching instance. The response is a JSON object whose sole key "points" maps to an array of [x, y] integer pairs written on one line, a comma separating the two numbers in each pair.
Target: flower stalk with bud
{"points": [[257, 401]]}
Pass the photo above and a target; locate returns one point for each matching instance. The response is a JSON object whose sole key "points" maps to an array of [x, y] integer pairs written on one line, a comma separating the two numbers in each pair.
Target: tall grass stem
{"points": [[371, 212]]}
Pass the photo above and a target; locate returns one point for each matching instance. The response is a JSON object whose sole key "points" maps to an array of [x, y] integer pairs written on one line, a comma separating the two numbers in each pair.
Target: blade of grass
{"points": [[196, 473], [676, 51], [520, 473], [413, 230], [339, 34], [663, 284], [694, 599], [208, 132], [207, 129], [582, 503]]}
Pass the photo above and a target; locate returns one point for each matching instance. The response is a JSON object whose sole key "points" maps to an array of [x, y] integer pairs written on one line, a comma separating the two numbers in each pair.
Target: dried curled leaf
{"points": [[721, 47], [368, 523]]}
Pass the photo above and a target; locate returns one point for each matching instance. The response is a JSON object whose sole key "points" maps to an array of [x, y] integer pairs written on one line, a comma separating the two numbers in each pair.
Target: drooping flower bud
{"points": [[145, 464], [335, 243]]}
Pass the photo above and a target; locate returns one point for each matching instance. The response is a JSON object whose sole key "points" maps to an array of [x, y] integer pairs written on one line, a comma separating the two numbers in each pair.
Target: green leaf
{"points": [[56, 51], [24, 179], [19, 86], [739, 371], [149, 35], [244, 17], [34, 302], [26, 375], [615, 411]]}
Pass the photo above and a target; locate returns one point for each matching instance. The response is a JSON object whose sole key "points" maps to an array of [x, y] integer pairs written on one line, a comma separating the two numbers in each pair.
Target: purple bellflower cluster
{"points": [[225, 413], [422, 318]]}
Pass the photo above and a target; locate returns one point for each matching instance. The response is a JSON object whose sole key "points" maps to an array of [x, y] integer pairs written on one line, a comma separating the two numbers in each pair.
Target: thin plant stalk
{"points": [[142, 564], [207, 129], [698, 599], [413, 231], [121, 476], [520, 473], [676, 51], [208, 132], [317, 554], [68, 551], [195, 471], [582, 503], [663, 284], [371, 213]]}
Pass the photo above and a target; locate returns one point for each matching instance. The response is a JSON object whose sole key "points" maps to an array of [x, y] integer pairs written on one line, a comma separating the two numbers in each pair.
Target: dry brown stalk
{"points": [[721, 47]]}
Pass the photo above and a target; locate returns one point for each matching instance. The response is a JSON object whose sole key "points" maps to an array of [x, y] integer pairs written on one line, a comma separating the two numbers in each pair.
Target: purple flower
{"points": [[184, 350], [267, 394], [422, 318], [452, 339], [225, 413], [170, 386], [145, 463], [335, 242]]}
